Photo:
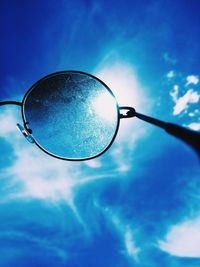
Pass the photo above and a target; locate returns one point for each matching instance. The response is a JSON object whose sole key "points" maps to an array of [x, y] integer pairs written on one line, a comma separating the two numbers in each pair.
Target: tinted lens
{"points": [[72, 115]]}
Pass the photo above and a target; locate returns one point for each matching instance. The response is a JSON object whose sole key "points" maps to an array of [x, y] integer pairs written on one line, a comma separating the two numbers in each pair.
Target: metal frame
{"points": [[10, 103]]}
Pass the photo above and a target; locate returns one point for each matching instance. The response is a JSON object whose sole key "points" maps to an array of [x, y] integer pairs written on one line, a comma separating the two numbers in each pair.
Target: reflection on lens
{"points": [[72, 115]]}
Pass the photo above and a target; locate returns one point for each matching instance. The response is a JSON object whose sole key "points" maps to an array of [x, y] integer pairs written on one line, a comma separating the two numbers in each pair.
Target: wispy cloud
{"points": [[131, 247], [192, 79], [170, 74], [183, 239], [39, 242], [194, 126], [183, 102], [126, 233]]}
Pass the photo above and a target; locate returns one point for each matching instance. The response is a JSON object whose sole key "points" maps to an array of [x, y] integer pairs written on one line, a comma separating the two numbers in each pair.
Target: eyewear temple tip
{"points": [[190, 137]]}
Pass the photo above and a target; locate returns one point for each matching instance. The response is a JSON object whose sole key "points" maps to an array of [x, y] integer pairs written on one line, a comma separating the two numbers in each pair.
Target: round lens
{"points": [[72, 115]]}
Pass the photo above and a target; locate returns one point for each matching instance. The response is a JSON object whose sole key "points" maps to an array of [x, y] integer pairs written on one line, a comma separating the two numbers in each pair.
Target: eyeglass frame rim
{"points": [[22, 104]]}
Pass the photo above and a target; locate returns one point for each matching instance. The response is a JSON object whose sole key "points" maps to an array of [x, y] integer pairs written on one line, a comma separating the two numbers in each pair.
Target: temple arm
{"points": [[10, 103], [188, 136]]}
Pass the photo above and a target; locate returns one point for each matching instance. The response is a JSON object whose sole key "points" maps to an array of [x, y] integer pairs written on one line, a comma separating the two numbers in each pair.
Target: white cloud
{"points": [[170, 74], [194, 126], [192, 79], [183, 239], [182, 103]]}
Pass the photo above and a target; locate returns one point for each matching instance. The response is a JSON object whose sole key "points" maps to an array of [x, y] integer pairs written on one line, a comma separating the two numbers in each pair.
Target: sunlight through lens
{"points": [[72, 115]]}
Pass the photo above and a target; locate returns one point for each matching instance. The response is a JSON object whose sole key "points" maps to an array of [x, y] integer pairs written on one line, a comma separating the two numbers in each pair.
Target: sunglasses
{"points": [[73, 115]]}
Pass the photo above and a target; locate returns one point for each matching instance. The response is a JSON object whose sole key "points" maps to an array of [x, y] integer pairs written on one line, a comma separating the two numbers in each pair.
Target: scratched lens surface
{"points": [[72, 115]]}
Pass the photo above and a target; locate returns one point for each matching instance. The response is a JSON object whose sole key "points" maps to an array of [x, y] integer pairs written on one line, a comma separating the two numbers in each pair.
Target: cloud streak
{"points": [[125, 232], [182, 103]]}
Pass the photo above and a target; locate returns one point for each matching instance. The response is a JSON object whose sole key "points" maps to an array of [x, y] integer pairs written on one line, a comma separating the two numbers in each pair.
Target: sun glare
{"points": [[105, 107], [121, 79]]}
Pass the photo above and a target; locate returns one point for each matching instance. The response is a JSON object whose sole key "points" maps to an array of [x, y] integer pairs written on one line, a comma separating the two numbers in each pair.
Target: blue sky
{"points": [[138, 204]]}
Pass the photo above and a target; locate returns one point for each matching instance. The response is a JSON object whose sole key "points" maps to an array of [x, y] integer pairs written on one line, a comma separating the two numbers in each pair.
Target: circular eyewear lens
{"points": [[72, 115]]}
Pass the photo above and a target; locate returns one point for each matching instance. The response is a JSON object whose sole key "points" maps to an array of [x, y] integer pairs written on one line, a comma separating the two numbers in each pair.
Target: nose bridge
{"points": [[25, 133]]}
